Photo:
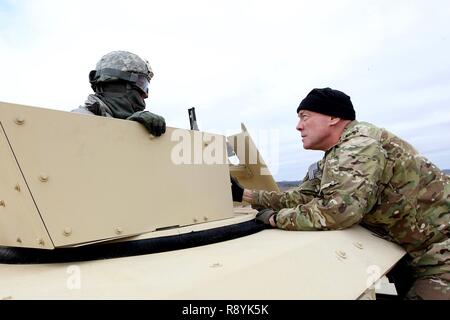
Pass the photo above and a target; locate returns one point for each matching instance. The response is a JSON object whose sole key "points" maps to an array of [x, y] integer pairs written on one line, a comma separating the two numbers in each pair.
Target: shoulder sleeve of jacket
{"points": [[82, 110], [348, 189]]}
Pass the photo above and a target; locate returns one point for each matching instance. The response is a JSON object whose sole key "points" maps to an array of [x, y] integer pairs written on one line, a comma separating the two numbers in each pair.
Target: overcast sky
{"points": [[244, 61]]}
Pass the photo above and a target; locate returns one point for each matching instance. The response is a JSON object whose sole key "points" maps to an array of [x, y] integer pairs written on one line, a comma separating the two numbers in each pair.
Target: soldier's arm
{"points": [[279, 200], [348, 189]]}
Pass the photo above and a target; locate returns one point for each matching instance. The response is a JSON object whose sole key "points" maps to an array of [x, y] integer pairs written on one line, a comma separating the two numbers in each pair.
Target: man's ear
{"points": [[334, 121]]}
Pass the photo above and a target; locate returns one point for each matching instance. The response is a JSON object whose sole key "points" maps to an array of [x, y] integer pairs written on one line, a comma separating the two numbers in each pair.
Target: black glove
{"points": [[155, 125], [264, 216], [236, 189]]}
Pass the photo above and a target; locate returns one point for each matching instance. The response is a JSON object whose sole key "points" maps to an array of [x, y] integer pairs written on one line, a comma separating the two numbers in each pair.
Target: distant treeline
{"points": [[285, 185]]}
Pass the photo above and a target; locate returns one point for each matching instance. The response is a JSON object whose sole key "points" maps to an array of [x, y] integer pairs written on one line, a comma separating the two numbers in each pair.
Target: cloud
{"points": [[250, 61]]}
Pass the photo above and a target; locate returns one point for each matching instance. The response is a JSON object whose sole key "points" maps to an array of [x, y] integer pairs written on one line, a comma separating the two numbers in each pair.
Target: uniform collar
{"points": [[348, 131]]}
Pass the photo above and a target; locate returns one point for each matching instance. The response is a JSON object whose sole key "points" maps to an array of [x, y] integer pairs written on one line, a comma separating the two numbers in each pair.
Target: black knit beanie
{"points": [[330, 102]]}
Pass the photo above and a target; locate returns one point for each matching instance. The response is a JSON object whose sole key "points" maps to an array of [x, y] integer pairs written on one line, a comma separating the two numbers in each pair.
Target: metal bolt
{"points": [[341, 254], [2, 203], [17, 188], [41, 242], [43, 178], [119, 231], [20, 121], [67, 232], [359, 245]]}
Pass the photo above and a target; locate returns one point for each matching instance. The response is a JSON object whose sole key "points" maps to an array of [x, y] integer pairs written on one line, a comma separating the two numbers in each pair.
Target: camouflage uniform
{"points": [[91, 100], [374, 178]]}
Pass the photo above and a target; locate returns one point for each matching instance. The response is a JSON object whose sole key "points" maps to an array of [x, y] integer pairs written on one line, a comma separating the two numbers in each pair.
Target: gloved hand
{"points": [[155, 125], [264, 216], [236, 189]]}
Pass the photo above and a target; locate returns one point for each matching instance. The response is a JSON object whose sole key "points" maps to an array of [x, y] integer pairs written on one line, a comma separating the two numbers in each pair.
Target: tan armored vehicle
{"points": [[96, 208]]}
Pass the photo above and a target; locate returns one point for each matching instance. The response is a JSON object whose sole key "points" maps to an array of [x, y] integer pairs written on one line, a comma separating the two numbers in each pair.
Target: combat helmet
{"points": [[122, 65]]}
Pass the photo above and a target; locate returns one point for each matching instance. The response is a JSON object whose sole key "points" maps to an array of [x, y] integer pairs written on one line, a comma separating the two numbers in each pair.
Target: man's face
{"points": [[315, 129]]}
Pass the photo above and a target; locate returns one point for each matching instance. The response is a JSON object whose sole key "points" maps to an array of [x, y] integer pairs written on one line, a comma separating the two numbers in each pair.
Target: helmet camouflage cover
{"points": [[122, 65]]}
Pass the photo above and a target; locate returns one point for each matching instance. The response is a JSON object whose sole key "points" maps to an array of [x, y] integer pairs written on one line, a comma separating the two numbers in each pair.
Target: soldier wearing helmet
{"points": [[121, 82]]}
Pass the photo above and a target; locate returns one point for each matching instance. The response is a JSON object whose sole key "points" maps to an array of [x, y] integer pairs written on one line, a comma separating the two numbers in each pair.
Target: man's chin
{"points": [[309, 147]]}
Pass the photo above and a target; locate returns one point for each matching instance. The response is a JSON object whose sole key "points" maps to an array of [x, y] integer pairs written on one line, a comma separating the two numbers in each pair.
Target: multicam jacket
{"points": [[374, 178]]}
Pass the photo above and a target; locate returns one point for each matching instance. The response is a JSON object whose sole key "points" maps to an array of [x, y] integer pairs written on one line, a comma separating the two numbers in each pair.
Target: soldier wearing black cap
{"points": [[370, 176], [330, 102]]}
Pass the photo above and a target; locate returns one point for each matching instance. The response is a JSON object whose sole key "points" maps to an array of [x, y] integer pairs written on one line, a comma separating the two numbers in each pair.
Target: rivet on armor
{"points": [[41, 242], [119, 231], [19, 240], [67, 232], [195, 220], [205, 219], [2, 203], [43, 178], [17, 188], [359, 245], [341, 254], [20, 121]]}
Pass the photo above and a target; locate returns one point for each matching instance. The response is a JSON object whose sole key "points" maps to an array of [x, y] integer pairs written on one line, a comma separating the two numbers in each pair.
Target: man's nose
{"points": [[299, 126]]}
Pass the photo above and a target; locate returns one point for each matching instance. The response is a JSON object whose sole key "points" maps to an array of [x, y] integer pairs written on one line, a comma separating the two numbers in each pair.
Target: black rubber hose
{"points": [[9, 255]]}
